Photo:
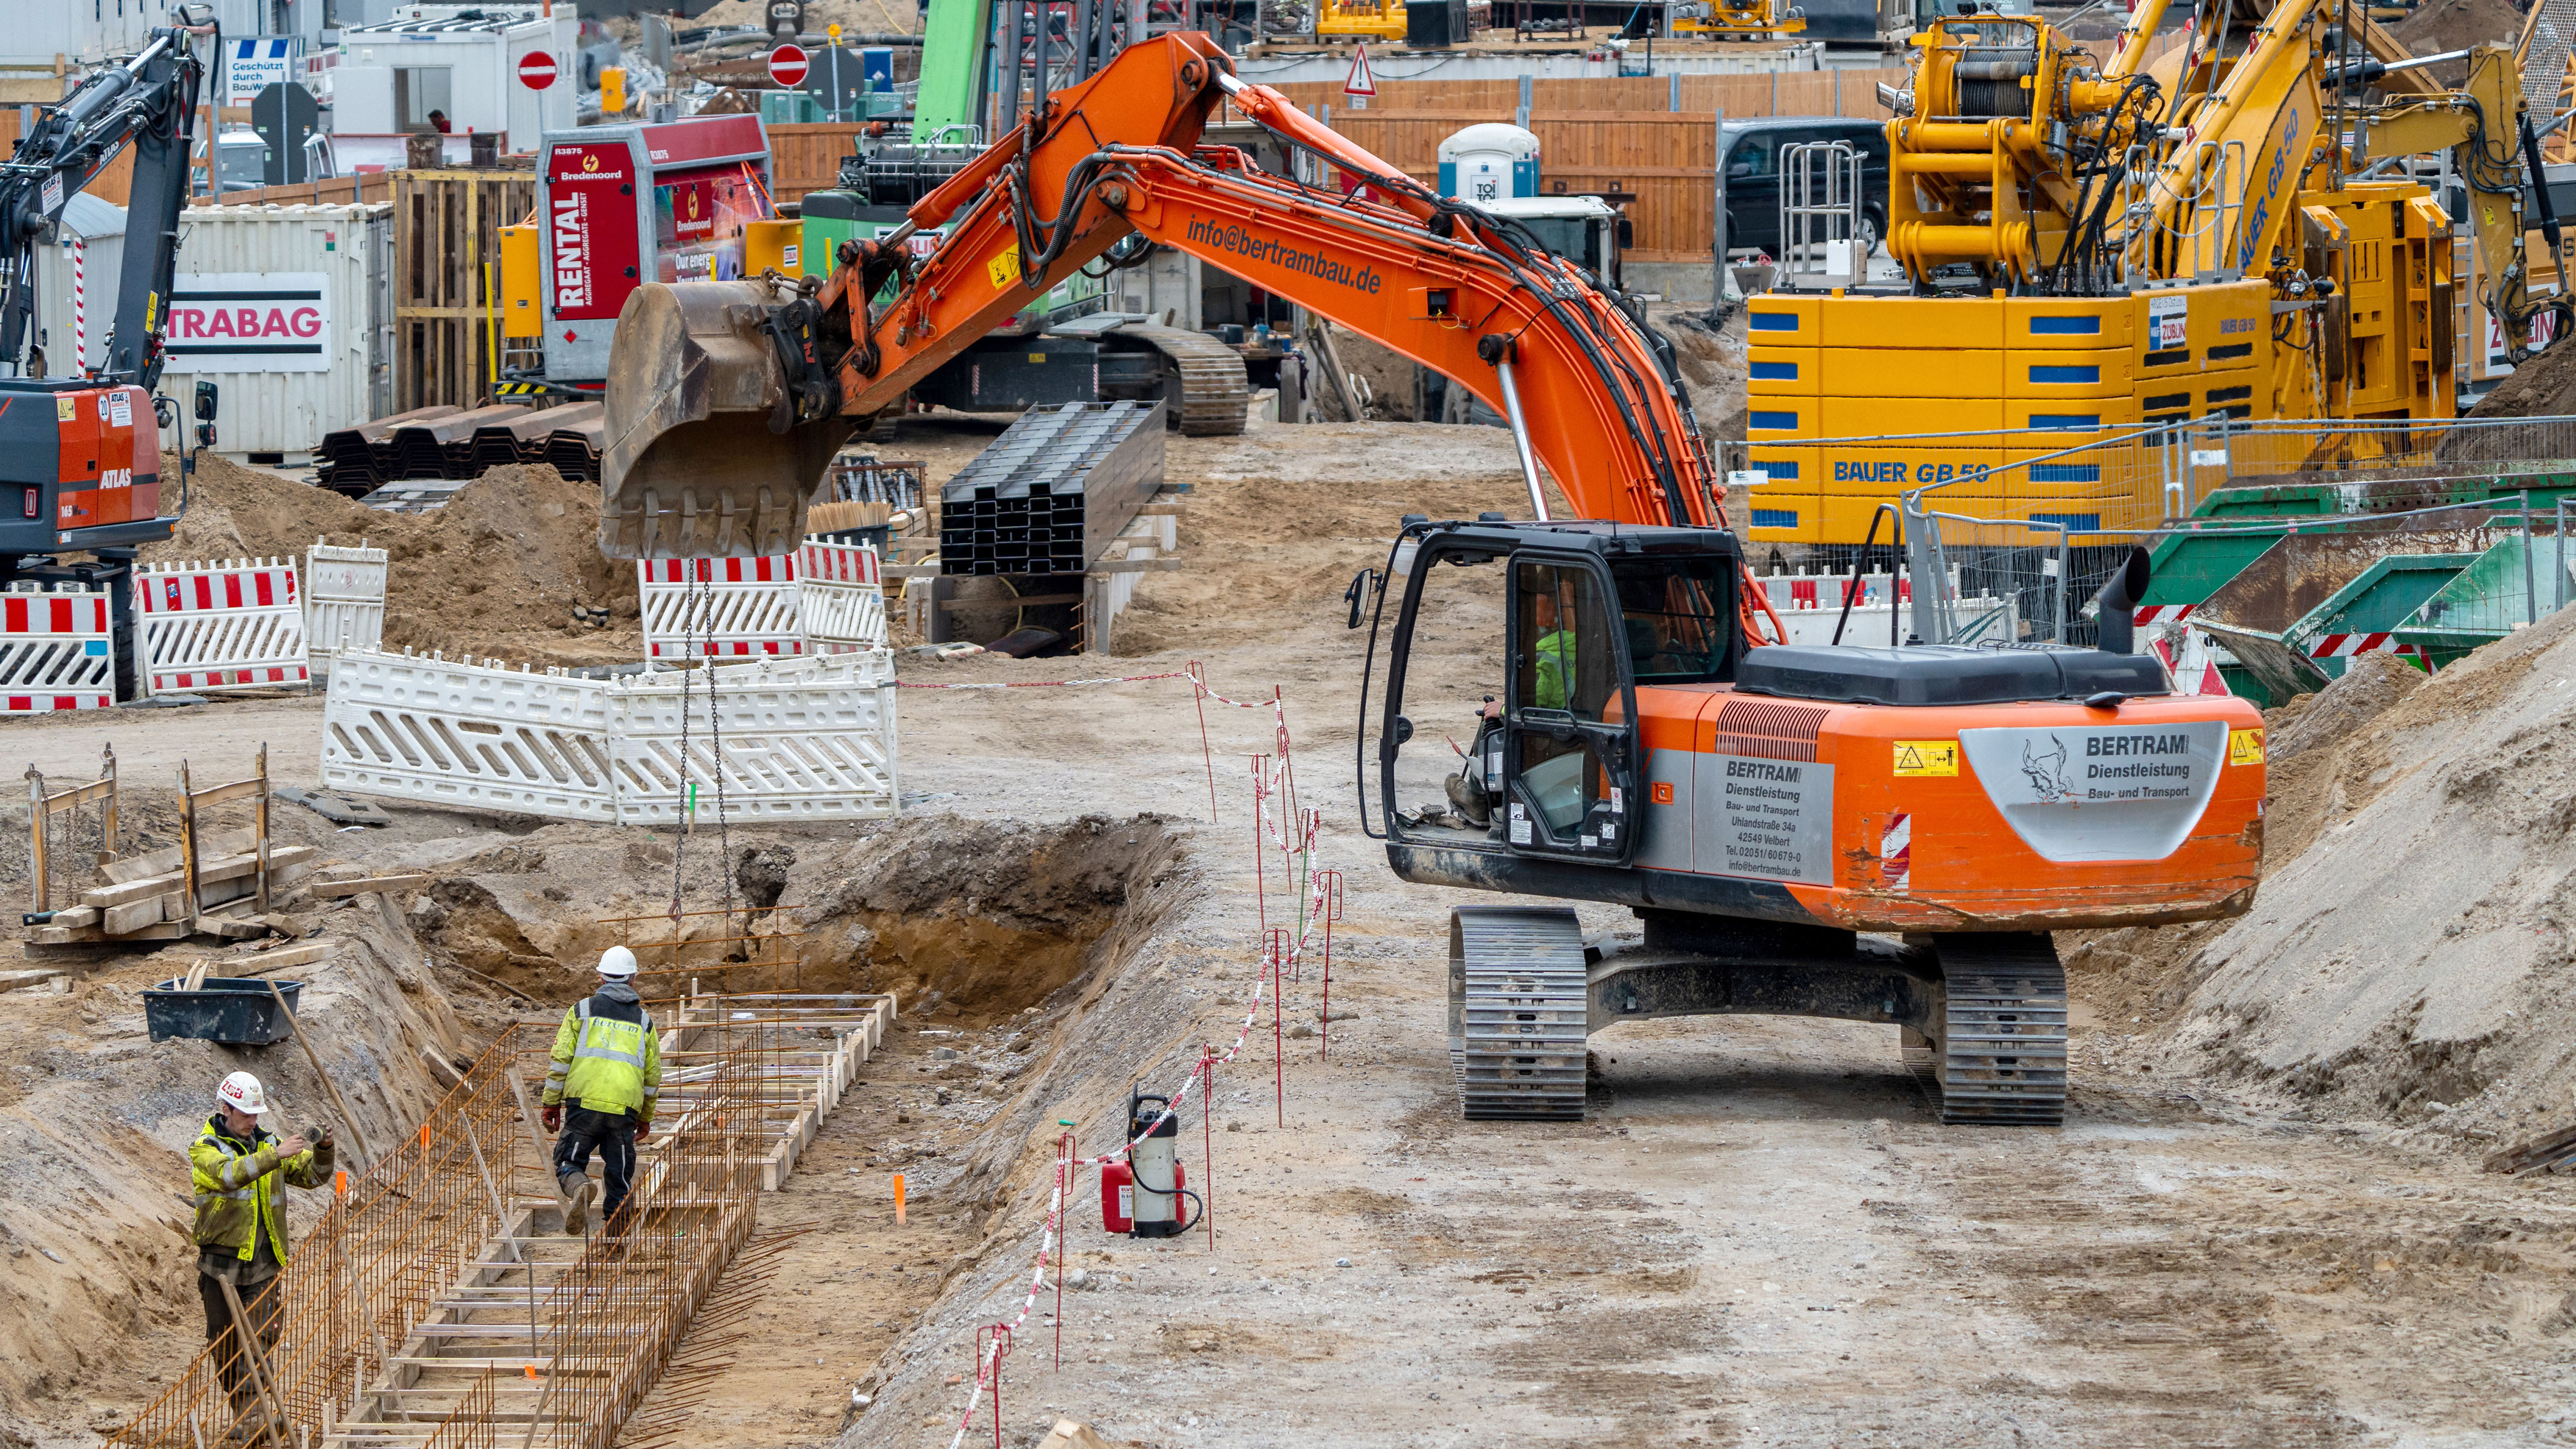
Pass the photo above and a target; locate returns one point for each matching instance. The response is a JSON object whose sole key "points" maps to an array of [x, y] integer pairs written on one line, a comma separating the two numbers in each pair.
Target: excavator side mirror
{"points": [[1358, 593], [206, 396]]}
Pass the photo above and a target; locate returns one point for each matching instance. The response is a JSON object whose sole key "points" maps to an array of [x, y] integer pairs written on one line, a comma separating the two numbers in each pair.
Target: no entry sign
{"points": [[787, 66], [536, 70]]}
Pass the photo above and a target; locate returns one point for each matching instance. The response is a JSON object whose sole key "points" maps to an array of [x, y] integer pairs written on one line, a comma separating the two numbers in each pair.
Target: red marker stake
{"points": [[1207, 1131], [1278, 1038]]}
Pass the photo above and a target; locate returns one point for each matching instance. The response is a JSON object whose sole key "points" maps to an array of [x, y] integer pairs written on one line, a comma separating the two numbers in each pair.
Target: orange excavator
{"points": [[1878, 835]]}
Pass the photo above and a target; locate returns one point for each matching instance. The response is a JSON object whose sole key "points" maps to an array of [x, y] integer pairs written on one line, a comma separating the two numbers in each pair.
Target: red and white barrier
{"points": [[2344, 646], [57, 650], [825, 598], [344, 599], [220, 626], [840, 597], [719, 607]]}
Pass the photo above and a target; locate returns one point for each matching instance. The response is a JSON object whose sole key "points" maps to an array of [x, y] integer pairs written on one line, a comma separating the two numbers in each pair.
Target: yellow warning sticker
{"points": [[1004, 269], [65, 410], [1926, 757], [1037, 359], [2245, 747]]}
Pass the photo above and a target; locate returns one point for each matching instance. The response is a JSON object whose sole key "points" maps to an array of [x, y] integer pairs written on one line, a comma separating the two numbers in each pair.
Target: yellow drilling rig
{"points": [[2090, 247]]}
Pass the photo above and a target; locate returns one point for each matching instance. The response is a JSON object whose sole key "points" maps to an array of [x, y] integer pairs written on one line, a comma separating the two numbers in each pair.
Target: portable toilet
{"points": [[1489, 162]]}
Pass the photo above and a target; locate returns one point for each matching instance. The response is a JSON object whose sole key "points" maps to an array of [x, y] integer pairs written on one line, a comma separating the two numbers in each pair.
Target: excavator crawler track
{"points": [[1517, 1007], [1214, 387], [2001, 1055]]}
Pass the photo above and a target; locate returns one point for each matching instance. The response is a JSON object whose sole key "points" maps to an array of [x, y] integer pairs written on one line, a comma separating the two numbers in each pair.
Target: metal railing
{"points": [[1820, 206]]}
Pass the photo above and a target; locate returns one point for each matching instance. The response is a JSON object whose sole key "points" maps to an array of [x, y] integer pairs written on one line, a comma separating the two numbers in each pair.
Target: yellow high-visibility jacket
{"points": [[607, 1056], [236, 1187]]}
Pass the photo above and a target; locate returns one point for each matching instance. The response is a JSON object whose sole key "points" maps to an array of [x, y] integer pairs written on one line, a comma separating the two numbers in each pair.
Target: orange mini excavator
{"points": [[1881, 835]]}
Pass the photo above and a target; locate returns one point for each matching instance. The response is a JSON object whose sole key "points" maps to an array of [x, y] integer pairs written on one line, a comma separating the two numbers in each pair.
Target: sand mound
{"points": [[496, 572], [2543, 386], [2406, 958], [2456, 25]]}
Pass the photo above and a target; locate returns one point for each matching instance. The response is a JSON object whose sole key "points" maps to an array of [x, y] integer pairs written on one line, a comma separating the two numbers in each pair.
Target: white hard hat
{"points": [[241, 1092], [617, 961]]}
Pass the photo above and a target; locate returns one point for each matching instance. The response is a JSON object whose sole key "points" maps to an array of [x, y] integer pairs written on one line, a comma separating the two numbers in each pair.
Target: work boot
{"points": [[1468, 795], [577, 1208]]}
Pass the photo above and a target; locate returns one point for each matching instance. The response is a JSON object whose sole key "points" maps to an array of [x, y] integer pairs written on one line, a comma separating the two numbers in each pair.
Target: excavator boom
{"points": [[719, 426]]}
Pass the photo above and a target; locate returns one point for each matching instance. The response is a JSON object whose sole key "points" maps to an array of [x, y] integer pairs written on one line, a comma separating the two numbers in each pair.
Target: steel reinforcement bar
{"points": [[429, 1275]]}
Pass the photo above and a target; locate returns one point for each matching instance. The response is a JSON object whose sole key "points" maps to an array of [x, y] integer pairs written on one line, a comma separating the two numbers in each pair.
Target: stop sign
{"points": [[536, 70], [787, 66]]}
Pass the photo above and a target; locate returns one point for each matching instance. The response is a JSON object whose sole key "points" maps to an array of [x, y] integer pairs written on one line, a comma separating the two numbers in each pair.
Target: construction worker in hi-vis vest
{"points": [[608, 1070], [241, 1236]]}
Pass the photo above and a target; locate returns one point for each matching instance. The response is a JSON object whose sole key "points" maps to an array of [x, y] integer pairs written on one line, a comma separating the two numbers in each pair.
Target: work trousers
{"points": [[261, 1305], [612, 1136]]}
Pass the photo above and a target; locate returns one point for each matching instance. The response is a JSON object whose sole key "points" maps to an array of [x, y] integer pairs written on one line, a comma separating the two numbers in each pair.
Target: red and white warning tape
{"points": [[1280, 956]]}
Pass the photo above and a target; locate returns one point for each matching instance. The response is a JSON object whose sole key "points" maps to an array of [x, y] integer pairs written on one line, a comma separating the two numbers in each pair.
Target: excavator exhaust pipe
{"points": [[694, 467]]}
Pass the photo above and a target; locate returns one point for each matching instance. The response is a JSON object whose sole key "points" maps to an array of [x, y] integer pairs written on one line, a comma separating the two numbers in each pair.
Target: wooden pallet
{"points": [[447, 256]]}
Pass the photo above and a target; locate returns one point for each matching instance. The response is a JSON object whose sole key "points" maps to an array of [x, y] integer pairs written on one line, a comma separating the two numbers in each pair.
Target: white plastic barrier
{"points": [[423, 727], [724, 607], [344, 599], [216, 626], [840, 592], [802, 739], [57, 650]]}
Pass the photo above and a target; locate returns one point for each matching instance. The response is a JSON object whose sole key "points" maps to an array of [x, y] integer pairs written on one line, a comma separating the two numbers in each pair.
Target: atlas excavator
{"points": [[80, 454], [1879, 835]]}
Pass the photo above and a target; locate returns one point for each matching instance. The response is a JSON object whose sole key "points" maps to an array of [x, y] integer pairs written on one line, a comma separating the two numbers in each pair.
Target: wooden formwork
{"points": [[447, 257]]}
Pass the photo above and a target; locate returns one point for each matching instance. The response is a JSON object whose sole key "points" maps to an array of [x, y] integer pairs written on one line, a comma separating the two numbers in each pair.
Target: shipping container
{"points": [[289, 310], [88, 247]]}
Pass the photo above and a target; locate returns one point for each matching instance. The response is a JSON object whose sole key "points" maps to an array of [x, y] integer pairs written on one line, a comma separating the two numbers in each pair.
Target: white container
{"points": [[99, 227], [288, 310]]}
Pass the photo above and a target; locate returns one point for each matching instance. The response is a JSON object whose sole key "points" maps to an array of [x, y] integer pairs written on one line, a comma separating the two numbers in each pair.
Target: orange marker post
{"points": [[898, 1199]]}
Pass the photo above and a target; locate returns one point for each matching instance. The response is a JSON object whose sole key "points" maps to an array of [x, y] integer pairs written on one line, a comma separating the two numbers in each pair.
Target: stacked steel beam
{"points": [[1053, 490], [459, 443]]}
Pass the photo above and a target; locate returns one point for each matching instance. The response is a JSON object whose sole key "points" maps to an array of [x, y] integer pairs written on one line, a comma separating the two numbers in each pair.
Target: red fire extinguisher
{"points": [[1141, 1196]]}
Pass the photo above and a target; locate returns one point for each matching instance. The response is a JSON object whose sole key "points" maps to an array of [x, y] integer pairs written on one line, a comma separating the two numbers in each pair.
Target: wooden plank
{"points": [[167, 859], [76, 916], [133, 916], [300, 954], [332, 890], [225, 868]]}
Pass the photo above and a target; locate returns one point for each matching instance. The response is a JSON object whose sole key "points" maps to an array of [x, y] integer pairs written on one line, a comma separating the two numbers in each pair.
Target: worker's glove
{"points": [[643, 1130], [552, 1117]]}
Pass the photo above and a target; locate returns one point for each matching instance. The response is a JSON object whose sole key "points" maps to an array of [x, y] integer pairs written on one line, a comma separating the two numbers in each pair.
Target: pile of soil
{"points": [[872, 17], [2456, 25], [2407, 957], [2542, 386], [496, 572]]}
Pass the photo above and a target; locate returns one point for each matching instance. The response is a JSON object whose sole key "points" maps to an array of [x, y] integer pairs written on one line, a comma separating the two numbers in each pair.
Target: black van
{"points": [[1751, 164]]}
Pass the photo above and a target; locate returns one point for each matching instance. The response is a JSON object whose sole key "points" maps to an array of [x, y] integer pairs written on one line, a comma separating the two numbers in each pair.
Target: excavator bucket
{"points": [[693, 467]]}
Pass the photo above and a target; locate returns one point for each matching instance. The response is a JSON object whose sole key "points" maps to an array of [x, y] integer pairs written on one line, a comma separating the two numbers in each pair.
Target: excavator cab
{"points": [[1579, 616]]}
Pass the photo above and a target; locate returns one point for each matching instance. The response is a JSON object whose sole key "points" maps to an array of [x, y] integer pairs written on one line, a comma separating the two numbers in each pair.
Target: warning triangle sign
{"points": [[1362, 81]]}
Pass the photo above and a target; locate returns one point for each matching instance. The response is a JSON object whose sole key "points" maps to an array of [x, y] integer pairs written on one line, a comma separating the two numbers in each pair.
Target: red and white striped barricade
{"points": [[57, 650], [2345, 646], [719, 607], [344, 600], [220, 626], [840, 592]]}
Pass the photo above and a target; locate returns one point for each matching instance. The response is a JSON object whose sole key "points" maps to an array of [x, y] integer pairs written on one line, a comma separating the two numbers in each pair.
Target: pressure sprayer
{"points": [[1142, 1195]]}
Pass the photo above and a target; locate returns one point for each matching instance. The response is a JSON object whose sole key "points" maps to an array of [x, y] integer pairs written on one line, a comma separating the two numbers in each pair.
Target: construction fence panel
{"points": [[344, 599], [719, 607], [57, 649], [422, 727], [840, 594], [805, 739], [212, 627]]}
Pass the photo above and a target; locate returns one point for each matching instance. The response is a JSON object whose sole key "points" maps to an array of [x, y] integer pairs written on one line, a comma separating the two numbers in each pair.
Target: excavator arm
{"points": [[704, 430]]}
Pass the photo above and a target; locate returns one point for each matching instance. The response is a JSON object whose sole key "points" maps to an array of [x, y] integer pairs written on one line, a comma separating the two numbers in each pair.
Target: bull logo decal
{"points": [[2046, 771]]}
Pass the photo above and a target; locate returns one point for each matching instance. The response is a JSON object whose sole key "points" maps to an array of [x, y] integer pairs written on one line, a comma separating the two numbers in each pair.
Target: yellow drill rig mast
{"points": [[2098, 246]]}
